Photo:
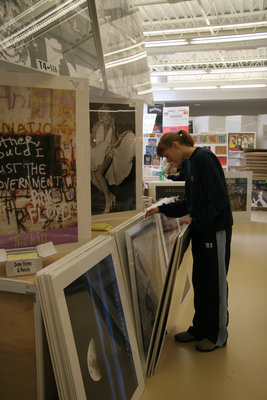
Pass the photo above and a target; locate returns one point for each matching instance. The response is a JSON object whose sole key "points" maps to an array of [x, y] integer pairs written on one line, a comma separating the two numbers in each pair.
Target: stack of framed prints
{"points": [[118, 233], [147, 274], [152, 275], [90, 335], [175, 261]]}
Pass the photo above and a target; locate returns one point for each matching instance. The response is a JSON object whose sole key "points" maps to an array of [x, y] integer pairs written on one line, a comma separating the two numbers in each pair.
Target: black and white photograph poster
{"points": [[113, 157]]}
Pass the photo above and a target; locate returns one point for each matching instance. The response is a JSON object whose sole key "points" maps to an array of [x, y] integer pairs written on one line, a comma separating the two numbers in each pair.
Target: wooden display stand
{"points": [[25, 369]]}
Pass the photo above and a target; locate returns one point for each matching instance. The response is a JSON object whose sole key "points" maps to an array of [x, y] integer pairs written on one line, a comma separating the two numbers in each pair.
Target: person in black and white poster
{"points": [[113, 144]]}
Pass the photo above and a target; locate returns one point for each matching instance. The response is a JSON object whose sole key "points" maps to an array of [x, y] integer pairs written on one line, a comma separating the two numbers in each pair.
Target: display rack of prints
{"points": [[176, 272], [118, 233], [215, 142], [238, 143]]}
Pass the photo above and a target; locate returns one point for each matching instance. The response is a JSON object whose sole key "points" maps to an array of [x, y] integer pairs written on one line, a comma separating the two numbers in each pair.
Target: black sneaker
{"points": [[184, 337]]}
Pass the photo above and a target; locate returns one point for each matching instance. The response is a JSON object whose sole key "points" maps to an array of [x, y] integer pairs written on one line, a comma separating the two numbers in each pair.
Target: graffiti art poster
{"points": [[38, 172]]}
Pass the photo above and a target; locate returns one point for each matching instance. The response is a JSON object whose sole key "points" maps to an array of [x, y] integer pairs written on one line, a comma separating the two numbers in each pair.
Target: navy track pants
{"points": [[211, 256]]}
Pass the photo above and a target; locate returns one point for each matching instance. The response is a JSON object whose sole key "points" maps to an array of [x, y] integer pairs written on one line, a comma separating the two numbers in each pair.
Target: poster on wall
{"points": [[175, 118], [114, 167], [38, 151], [158, 110], [241, 141]]}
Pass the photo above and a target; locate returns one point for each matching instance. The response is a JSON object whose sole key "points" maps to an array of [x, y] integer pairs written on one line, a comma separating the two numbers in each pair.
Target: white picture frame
{"points": [[169, 229], [147, 274], [118, 233], [97, 353], [161, 189], [174, 272]]}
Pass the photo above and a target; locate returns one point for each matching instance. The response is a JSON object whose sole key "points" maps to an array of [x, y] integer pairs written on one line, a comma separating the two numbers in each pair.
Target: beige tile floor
{"points": [[238, 371]]}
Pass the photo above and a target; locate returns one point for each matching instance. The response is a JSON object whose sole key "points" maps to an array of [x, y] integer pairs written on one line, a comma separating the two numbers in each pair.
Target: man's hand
{"points": [[151, 211]]}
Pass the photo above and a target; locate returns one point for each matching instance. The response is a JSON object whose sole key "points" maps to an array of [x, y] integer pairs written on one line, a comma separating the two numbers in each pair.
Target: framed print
{"points": [[259, 194], [116, 156], [44, 160], [119, 234], [239, 185], [97, 354], [175, 272], [146, 262], [169, 229], [158, 190]]}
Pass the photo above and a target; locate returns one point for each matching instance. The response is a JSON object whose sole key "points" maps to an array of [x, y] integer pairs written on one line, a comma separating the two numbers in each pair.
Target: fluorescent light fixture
{"points": [[240, 70], [166, 43], [140, 44], [145, 91], [230, 38], [126, 60], [191, 63], [205, 28], [161, 88], [252, 86], [170, 73], [187, 88]]}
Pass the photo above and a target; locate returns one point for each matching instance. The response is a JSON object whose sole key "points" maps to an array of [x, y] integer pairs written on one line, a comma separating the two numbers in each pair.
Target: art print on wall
{"points": [[240, 141], [38, 181], [113, 157]]}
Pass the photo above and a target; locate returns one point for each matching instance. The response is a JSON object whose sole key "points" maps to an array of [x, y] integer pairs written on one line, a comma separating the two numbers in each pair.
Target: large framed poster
{"points": [[91, 336], [44, 158], [116, 156]]}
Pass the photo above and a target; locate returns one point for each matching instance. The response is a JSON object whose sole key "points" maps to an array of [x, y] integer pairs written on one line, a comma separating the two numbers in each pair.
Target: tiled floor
{"points": [[238, 371]]}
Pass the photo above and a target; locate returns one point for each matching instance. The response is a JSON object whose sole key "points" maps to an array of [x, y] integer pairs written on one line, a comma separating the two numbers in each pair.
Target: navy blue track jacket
{"points": [[206, 197]]}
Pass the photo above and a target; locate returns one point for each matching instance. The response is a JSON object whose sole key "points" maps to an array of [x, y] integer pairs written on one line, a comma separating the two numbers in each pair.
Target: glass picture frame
{"points": [[91, 334]]}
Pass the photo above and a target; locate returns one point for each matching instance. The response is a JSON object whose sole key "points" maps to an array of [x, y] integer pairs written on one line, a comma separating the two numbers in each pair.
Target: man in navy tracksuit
{"points": [[206, 208]]}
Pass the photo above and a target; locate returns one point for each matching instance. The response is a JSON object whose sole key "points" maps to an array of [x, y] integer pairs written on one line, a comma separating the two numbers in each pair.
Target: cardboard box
{"points": [[27, 260]]}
